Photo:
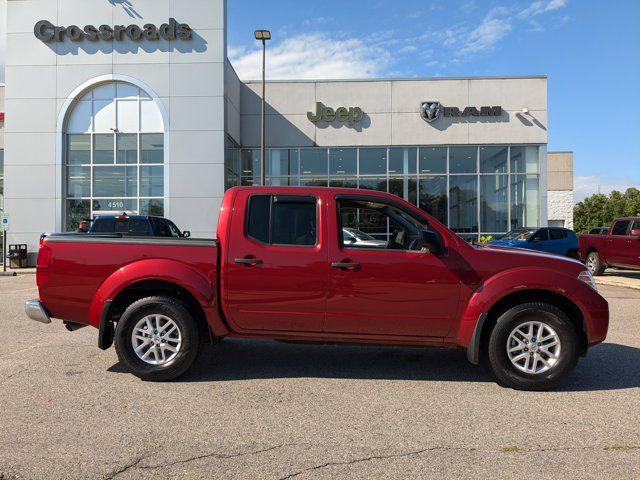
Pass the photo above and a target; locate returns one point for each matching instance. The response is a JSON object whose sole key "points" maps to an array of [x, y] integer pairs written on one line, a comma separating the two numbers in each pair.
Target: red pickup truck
{"points": [[280, 269], [619, 247]]}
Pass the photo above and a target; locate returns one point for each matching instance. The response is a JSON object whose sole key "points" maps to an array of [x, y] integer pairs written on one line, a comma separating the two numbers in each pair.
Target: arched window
{"points": [[114, 154]]}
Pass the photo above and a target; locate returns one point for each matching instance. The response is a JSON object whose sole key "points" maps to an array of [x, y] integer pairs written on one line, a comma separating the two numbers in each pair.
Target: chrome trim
{"points": [[36, 311]]}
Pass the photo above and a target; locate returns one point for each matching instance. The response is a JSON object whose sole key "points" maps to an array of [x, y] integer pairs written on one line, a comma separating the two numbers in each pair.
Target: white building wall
{"points": [[1, 122], [188, 76], [392, 112], [232, 102], [560, 207]]}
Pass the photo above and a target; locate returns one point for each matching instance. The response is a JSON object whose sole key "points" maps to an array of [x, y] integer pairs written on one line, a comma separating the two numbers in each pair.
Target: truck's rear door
{"points": [[276, 263]]}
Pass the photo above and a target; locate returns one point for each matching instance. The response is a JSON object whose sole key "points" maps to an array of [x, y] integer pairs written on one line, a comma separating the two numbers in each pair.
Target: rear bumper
{"points": [[36, 311]]}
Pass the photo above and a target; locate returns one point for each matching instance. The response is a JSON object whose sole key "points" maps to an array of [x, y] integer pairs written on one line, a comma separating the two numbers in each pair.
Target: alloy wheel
{"points": [[156, 339], [533, 347]]}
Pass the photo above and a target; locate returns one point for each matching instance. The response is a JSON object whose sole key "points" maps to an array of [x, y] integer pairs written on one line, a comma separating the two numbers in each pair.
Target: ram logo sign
{"points": [[431, 111]]}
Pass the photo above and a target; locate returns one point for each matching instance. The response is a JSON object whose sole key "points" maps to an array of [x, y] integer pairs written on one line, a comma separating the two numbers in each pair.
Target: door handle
{"points": [[346, 265], [248, 261]]}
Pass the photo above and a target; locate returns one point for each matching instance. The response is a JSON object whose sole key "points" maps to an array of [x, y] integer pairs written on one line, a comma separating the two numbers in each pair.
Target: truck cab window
{"points": [[369, 224], [620, 228], [103, 225], [556, 234], [282, 220], [132, 226]]}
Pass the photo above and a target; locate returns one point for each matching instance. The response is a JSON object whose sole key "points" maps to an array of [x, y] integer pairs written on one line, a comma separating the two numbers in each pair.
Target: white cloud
{"points": [[312, 56], [408, 49], [492, 29], [539, 7], [586, 185]]}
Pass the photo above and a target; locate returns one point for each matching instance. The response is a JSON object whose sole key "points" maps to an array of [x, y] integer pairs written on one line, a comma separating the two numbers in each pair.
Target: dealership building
{"points": [[114, 106]]}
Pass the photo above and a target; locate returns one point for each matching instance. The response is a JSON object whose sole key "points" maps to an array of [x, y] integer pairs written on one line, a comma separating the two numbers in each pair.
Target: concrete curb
{"points": [[619, 282]]}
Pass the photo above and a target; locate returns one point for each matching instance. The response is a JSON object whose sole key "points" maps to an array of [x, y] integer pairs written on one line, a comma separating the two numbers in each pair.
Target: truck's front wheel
{"points": [[157, 338], [533, 346]]}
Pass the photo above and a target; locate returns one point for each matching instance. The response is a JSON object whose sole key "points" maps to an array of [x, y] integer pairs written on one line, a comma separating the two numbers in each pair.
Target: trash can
{"points": [[17, 256]]}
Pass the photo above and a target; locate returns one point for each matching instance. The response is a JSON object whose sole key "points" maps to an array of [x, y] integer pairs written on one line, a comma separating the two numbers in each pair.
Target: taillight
{"points": [[42, 267]]}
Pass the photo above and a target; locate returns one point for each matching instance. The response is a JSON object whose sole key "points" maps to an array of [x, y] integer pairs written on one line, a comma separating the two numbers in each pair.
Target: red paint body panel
{"points": [[621, 251], [395, 297], [82, 276]]}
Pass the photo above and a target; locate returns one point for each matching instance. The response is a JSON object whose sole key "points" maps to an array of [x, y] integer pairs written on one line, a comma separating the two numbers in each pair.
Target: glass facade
{"points": [[475, 190], [114, 154]]}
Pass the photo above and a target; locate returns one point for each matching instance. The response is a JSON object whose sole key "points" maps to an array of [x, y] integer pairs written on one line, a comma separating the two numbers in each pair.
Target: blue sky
{"points": [[590, 50]]}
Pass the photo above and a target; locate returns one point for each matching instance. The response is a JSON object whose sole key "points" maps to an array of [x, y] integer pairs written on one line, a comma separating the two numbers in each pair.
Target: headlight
{"points": [[587, 278]]}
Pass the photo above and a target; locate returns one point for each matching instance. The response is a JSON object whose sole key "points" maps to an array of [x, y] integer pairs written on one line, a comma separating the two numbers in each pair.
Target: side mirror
{"points": [[186, 234], [635, 232], [431, 241], [351, 240]]}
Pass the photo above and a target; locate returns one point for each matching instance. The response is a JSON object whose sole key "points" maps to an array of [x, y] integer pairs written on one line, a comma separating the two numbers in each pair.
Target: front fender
{"points": [[202, 288], [508, 282]]}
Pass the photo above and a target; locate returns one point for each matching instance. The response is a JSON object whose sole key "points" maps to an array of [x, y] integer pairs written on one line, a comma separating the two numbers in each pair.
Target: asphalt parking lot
{"points": [[278, 411]]}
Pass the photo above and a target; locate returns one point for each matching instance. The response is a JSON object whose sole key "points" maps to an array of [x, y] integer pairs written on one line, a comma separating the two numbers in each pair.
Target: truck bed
{"points": [[82, 263]]}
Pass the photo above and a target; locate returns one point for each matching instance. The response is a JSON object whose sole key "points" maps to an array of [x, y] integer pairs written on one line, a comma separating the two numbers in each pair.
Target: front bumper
{"points": [[36, 311]]}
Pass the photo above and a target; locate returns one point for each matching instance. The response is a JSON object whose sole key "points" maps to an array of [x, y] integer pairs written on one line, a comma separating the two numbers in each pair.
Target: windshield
{"points": [[519, 234]]}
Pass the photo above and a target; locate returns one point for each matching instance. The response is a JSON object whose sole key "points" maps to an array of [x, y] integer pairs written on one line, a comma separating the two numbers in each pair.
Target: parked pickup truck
{"points": [[137, 225], [280, 269], [619, 247]]}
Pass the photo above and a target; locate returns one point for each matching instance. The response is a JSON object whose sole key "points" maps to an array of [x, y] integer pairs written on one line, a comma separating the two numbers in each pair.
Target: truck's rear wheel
{"points": [[533, 346], [157, 338], [594, 265]]}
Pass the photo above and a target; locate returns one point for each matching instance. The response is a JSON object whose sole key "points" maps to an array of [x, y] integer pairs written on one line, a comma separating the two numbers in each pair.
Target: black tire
{"points": [[552, 316], [186, 324], [594, 265], [573, 254]]}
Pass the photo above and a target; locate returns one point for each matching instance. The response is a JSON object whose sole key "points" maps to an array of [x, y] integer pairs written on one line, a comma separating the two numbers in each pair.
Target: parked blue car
{"points": [[560, 241]]}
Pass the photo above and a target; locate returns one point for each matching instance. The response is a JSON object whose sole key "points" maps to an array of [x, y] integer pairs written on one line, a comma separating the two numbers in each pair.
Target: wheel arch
{"points": [[527, 296], [151, 278], [151, 288]]}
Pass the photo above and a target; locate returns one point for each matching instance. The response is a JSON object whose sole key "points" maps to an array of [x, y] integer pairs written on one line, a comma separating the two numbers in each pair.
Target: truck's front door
{"points": [[276, 270], [388, 288]]}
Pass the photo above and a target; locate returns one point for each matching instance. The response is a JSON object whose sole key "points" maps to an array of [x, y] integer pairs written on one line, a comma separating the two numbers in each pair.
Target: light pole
{"points": [[263, 35]]}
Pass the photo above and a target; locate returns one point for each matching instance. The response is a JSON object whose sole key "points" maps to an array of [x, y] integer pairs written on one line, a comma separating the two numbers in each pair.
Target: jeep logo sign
{"points": [[45, 31], [351, 115]]}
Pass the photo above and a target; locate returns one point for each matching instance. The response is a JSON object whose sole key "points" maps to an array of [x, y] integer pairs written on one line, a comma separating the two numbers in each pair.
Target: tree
{"points": [[600, 210]]}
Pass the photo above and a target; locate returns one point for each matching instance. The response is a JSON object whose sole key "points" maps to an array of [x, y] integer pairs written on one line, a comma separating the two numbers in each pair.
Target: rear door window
{"points": [[283, 220], [556, 234], [103, 225], [132, 226], [620, 228]]}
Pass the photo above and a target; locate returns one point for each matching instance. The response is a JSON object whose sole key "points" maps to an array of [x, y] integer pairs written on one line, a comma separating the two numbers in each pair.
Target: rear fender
{"points": [[171, 271]]}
